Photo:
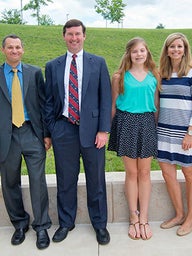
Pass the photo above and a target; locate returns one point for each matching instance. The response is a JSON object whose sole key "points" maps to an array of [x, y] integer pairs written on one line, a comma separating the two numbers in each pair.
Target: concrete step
{"points": [[82, 242], [159, 210]]}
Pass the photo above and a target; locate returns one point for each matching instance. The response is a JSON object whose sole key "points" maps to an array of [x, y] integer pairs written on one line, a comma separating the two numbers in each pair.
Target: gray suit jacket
{"points": [[34, 98]]}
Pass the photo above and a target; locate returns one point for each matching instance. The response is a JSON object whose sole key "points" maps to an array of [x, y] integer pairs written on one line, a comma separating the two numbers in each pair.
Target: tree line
{"points": [[14, 16], [111, 11]]}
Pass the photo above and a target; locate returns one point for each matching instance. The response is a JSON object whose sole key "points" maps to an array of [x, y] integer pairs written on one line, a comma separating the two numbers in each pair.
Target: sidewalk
{"points": [[82, 242]]}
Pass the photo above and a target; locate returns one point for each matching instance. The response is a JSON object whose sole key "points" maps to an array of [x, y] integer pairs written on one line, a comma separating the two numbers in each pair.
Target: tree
{"points": [[116, 10], [110, 10], [102, 7], [21, 10], [35, 6], [45, 20], [160, 26], [12, 16]]}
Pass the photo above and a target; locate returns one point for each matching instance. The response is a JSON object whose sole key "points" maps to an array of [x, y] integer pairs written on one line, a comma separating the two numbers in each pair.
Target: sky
{"points": [[138, 13]]}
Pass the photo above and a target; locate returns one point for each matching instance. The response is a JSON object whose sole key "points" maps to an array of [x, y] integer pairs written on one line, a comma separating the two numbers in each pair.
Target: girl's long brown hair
{"points": [[126, 62]]}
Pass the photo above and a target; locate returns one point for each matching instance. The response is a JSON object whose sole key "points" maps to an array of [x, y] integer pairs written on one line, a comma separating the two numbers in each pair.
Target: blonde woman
{"points": [[133, 134], [175, 126]]}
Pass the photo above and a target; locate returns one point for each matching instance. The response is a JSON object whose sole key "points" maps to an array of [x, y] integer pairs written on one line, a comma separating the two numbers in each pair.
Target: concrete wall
{"points": [[159, 210]]}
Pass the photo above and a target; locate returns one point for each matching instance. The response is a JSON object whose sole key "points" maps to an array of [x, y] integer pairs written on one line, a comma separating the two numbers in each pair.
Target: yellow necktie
{"points": [[17, 102]]}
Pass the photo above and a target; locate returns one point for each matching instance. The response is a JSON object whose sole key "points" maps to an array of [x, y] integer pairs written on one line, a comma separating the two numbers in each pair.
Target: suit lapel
{"points": [[87, 64], [26, 76], [3, 84], [60, 77]]}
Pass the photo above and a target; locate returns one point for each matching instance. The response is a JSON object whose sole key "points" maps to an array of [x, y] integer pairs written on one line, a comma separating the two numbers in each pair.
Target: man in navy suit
{"points": [[85, 137], [29, 139]]}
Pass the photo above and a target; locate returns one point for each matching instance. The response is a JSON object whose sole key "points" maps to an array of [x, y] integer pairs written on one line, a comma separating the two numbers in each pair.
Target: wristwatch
{"points": [[189, 132]]}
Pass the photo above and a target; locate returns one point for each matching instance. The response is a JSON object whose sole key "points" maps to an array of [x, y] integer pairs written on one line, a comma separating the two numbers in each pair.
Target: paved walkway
{"points": [[82, 242]]}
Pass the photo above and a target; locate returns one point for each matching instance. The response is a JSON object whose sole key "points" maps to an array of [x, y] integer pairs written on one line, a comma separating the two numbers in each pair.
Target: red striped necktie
{"points": [[73, 109]]}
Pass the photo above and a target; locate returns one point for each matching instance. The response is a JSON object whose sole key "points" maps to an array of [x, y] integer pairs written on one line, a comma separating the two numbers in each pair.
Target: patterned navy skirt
{"points": [[133, 135]]}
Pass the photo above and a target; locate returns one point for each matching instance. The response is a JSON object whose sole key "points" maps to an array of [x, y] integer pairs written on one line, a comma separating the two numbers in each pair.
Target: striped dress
{"points": [[175, 116]]}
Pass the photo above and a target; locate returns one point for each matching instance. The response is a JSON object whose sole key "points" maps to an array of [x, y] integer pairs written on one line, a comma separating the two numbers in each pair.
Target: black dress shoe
{"points": [[102, 235], [61, 234], [19, 236], [43, 240]]}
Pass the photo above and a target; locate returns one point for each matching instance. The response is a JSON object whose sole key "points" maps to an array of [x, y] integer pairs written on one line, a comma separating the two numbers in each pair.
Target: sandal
{"points": [[134, 237], [145, 232]]}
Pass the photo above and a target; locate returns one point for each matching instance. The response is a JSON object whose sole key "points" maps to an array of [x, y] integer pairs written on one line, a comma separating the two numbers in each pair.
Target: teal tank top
{"points": [[138, 97]]}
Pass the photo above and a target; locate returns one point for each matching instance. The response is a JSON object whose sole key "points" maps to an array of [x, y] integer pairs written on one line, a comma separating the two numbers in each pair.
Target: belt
{"points": [[64, 118]]}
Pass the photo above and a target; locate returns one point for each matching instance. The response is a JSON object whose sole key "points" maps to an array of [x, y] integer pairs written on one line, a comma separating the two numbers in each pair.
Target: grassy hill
{"points": [[45, 43]]}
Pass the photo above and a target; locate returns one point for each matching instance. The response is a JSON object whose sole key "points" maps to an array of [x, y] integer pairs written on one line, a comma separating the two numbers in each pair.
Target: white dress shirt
{"points": [[79, 62]]}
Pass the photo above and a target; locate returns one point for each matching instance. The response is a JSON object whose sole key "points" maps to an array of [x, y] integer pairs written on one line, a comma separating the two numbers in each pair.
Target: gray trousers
{"points": [[25, 143]]}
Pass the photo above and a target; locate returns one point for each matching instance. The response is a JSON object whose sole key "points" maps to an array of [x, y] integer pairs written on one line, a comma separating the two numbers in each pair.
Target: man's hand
{"points": [[101, 139], [47, 142]]}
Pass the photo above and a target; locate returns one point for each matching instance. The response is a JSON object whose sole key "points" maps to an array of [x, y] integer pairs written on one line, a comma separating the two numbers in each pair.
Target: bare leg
{"points": [[144, 180], [170, 175], [131, 192], [186, 227]]}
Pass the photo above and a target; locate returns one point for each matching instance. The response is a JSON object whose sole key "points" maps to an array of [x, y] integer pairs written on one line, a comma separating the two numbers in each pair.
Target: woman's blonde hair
{"points": [[165, 66], [126, 62]]}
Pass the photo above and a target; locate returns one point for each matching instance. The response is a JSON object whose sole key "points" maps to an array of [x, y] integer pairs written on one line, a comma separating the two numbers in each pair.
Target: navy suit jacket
{"points": [[34, 97], [95, 112]]}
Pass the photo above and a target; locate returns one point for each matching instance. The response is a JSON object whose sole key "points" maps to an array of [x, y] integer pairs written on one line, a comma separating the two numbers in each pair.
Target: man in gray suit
{"points": [[29, 139], [85, 134]]}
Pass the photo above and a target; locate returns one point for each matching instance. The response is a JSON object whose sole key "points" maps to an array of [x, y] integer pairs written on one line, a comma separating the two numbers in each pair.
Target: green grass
{"points": [[113, 163], [45, 43]]}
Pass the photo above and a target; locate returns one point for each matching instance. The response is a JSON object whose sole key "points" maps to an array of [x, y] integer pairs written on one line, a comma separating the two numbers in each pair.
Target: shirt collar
{"points": [[8, 68], [69, 54]]}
